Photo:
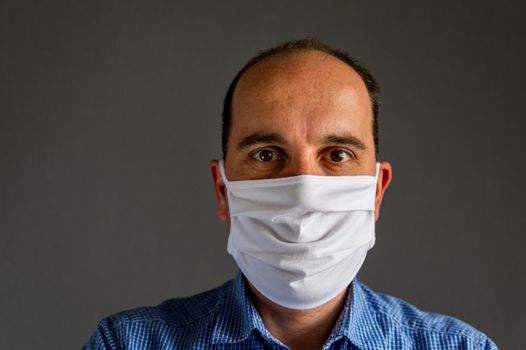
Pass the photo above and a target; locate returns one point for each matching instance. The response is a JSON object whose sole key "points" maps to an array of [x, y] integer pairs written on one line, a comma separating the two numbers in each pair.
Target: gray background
{"points": [[110, 111]]}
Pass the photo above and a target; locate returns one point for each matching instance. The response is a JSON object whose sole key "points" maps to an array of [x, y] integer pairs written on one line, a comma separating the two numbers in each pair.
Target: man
{"points": [[300, 189]]}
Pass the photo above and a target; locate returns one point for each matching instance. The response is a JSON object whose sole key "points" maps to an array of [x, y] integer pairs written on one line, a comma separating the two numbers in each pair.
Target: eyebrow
{"points": [[257, 138], [345, 140]]}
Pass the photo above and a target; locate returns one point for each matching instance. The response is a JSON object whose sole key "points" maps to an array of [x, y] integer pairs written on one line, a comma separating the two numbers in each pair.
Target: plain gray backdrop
{"points": [[110, 112]]}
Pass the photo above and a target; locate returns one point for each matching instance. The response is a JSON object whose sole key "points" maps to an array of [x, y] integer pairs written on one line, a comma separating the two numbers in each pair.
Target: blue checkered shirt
{"points": [[225, 318]]}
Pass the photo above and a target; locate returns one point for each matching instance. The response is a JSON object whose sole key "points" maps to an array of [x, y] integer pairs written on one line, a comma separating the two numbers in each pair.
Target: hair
{"points": [[302, 45]]}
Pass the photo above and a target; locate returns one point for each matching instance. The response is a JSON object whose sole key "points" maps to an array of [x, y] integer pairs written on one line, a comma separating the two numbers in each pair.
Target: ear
{"points": [[385, 174], [220, 190]]}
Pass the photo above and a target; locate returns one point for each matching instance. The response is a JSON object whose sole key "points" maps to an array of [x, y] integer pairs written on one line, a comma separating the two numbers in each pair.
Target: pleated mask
{"points": [[301, 240]]}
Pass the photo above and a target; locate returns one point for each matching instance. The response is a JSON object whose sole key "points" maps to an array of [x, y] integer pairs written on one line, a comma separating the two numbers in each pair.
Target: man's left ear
{"points": [[385, 174]]}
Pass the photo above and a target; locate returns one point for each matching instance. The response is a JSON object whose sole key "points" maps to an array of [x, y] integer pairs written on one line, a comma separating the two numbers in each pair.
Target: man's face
{"points": [[305, 113]]}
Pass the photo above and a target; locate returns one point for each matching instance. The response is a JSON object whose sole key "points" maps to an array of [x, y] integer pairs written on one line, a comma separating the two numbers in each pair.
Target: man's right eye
{"points": [[265, 155]]}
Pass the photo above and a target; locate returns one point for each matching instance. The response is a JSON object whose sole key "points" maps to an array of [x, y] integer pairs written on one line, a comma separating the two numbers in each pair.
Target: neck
{"points": [[299, 329]]}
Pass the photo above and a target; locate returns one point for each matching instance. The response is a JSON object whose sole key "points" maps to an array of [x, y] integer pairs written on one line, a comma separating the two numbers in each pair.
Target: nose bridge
{"points": [[303, 163]]}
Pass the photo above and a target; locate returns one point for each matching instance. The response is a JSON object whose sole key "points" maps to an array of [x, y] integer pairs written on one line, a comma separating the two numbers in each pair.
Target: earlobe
{"points": [[384, 179], [220, 190]]}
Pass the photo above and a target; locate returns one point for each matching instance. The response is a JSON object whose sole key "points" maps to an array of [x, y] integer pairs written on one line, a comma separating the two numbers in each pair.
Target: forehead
{"points": [[305, 89]]}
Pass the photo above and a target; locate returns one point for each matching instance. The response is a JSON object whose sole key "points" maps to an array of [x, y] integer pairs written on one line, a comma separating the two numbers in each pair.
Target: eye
{"points": [[265, 155], [339, 156]]}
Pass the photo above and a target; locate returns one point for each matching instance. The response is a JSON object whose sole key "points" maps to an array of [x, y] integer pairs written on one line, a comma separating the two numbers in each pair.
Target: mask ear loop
{"points": [[376, 179], [222, 170], [377, 171]]}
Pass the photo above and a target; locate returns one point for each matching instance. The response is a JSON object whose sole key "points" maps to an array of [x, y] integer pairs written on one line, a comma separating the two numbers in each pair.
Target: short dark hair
{"points": [[300, 45]]}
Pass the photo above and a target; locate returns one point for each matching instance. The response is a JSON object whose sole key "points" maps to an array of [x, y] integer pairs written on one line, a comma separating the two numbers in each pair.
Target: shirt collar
{"points": [[359, 323], [238, 317]]}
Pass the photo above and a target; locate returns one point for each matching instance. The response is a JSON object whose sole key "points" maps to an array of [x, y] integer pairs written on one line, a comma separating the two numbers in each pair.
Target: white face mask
{"points": [[301, 240]]}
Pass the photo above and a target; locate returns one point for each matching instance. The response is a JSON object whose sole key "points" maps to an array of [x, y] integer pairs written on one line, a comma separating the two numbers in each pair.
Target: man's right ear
{"points": [[220, 190]]}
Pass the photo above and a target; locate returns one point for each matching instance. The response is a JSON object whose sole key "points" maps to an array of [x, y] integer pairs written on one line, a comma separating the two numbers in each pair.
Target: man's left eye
{"points": [[338, 156]]}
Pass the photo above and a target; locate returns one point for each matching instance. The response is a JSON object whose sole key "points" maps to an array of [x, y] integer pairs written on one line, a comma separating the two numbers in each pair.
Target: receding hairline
{"points": [[295, 46], [269, 65]]}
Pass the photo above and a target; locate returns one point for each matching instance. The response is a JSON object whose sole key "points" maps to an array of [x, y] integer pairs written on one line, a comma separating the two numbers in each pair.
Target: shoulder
{"points": [[407, 322], [174, 319], [176, 312]]}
